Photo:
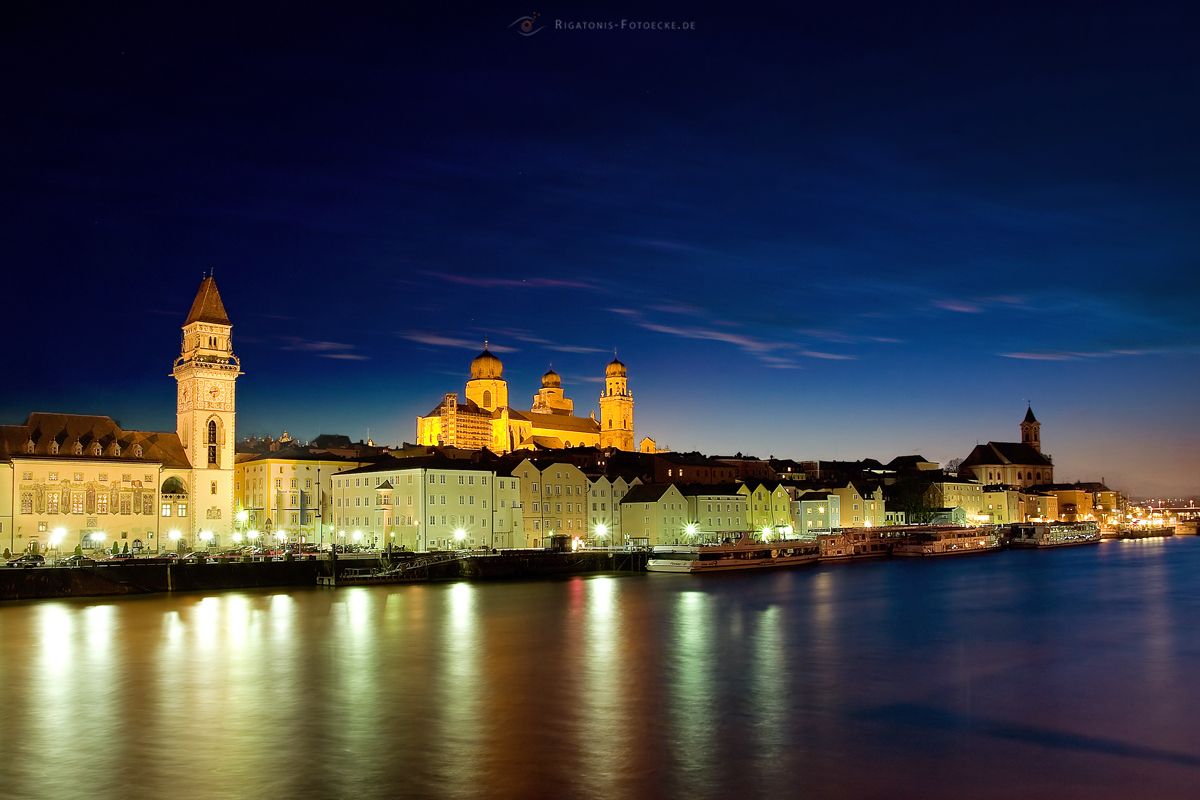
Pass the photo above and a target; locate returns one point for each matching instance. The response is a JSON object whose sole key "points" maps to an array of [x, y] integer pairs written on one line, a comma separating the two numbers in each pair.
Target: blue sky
{"points": [[809, 233]]}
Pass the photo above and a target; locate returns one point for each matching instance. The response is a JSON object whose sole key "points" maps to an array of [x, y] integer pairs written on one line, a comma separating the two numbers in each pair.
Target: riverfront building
{"points": [[286, 492], [1011, 463], [426, 503], [78, 479]]}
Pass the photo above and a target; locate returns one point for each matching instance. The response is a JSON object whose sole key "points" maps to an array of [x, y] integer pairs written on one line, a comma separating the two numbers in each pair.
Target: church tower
{"points": [[1031, 430], [487, 387], [616, 409], [205, 374]]}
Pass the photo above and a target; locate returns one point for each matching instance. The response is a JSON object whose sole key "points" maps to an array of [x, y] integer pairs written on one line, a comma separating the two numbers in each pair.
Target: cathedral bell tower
{"points": [[205, 374], [616, 409], [1031, 430]]}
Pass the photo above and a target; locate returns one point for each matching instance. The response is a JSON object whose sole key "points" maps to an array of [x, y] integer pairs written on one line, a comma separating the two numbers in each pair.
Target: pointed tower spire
{"points": [[207, 307]]}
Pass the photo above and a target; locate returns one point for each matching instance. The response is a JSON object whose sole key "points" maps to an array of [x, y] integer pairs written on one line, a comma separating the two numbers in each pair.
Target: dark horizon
{"points": [[808, 234]]}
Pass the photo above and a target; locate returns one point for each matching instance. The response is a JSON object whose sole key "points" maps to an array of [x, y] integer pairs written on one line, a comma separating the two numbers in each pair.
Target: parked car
{"points": [[120, 557], [28, 560], [76, 561]]}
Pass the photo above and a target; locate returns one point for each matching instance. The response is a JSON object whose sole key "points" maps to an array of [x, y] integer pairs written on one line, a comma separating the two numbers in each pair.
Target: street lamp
{"points": [[690, 529], [206, 537], [459, 535], [766, 533], [601, 530], [56, 538], [174, 535], [97, 538]]}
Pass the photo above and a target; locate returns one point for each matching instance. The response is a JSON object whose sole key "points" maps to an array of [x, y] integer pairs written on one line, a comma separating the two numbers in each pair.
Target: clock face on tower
{"points": [[214, 395]]}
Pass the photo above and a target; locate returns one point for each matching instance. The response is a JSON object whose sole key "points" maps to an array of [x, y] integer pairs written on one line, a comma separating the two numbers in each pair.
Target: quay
{"points": [[148, 576]]}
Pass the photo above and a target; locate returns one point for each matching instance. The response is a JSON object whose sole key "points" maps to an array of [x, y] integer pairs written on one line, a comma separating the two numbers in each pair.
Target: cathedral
{"points": [[75, 479], [484, 419]]}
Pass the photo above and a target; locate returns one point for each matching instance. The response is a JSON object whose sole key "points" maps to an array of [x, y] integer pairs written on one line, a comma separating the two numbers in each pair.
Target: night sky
{"points": [[835, 231]]}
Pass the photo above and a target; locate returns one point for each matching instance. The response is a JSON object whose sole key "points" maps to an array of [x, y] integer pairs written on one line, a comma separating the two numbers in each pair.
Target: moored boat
{"points": [[1050, 535], [948, 542], [745, 553]]}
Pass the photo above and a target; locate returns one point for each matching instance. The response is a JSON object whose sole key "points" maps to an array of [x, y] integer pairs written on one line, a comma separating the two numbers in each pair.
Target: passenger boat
{"points": [[948, 542], [1047, 535], [745, 553], [1139, 532]]}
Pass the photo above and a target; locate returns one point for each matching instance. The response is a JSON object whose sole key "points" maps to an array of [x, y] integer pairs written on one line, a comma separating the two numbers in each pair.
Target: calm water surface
{"points": [[1067, 673]]}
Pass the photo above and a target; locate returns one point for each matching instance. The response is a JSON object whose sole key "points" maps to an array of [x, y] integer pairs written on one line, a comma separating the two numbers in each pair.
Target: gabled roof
{"points": [[647, 493], [1003, 454], [65, 430], [207, 307], [710, 489], [753, 483]]}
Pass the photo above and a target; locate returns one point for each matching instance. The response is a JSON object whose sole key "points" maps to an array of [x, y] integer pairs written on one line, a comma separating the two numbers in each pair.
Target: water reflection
{"points": [[886, 679]]}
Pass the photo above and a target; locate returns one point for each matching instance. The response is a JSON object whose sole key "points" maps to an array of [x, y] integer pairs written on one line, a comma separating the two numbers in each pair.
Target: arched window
{"points": [[137, 451], [212, 442], [1019, 476], [77, 449], [54, 448], [487, 398], [96, 449], [1039, 476]]}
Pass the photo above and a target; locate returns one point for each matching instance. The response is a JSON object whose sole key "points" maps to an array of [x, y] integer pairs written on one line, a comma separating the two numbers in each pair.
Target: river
{"points": [[1062, 673]]}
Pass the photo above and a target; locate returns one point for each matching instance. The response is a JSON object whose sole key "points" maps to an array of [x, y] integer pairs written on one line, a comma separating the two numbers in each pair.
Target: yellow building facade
{"points": [[77, 479], [483, 418]]}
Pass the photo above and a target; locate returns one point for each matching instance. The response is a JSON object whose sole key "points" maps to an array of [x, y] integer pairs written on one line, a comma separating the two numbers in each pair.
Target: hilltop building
{"points": [[484, 418]]}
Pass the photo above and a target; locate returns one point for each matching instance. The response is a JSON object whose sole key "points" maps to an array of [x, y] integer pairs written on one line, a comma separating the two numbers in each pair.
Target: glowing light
{"points": [[242, 516], [601, 530], [460, 534], [357, 536], [237, 537], [281, 536], [766, 533], [690, 529], [252, 535], [57, 535], [174, 535], [98, 536], [206, 536]]}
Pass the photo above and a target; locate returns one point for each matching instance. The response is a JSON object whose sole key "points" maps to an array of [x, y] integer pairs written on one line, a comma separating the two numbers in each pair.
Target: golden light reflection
{"points": [[691, 693]]}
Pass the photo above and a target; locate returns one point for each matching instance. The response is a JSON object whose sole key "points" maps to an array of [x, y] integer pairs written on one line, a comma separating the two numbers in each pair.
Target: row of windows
{"points": [[78, 477], [90, 503]]}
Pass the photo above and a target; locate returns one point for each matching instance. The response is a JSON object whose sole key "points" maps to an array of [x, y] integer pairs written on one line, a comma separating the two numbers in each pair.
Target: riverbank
{"points": [[132, 577]]}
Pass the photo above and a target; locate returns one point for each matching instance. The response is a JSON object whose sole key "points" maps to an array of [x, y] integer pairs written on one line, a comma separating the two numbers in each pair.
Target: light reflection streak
{"points": [[691, 677]]}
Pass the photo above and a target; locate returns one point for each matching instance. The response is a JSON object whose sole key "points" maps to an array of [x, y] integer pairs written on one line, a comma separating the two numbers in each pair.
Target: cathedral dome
{"points": [[486, 366], [551, 380], [615, 369]]}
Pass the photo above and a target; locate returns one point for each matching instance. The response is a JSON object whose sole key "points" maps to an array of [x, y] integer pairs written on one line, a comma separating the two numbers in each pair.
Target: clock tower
{"points": [[206, 373]]}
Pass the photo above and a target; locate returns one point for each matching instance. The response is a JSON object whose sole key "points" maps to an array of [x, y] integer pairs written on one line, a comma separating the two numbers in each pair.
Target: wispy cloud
{"points": [[344, 356], [1067, 355], [438, 340], [574, 348], [323, 349], [958, 306], [828, 356], [485, 282]]}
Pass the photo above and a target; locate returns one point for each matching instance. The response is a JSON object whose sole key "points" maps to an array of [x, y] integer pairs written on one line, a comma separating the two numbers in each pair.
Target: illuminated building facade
{"points": [[1011, 463], [75, 479], [483, 418]]}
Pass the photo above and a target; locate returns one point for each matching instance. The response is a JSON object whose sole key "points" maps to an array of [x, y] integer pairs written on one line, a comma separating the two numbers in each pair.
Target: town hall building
{"points": [[70, 480]]}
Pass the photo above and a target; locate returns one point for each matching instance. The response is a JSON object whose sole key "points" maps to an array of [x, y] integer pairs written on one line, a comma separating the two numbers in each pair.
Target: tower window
{"points": [[212, 431], [487, 398]]}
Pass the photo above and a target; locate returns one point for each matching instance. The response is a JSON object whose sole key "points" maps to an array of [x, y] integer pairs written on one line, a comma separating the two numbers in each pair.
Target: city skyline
{"points": [[869, 255]]}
